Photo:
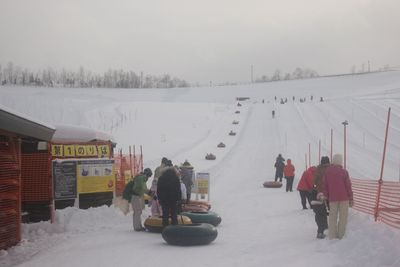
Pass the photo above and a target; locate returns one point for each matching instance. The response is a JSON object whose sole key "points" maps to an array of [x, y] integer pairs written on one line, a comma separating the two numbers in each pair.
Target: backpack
{"points": [[128, 190]]}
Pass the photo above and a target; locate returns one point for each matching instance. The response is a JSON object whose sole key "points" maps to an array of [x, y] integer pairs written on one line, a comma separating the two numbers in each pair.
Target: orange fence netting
{"points": [[382, 202], [126, 167]]}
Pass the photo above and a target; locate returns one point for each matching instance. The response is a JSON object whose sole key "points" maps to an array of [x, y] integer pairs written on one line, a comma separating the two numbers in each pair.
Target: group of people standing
{"points": [[284, 170], [171, 186], [327, 189]]}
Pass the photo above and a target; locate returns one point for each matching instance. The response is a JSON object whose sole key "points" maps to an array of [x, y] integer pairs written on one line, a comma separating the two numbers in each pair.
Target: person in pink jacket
{"points": [[340, 195]]}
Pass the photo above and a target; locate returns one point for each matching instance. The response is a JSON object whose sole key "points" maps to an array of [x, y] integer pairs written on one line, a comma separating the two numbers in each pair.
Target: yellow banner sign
{"points": [[95, 176]]}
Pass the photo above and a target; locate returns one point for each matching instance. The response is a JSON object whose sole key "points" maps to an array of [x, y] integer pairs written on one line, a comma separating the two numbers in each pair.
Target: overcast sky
{"points": [[201, 40]]}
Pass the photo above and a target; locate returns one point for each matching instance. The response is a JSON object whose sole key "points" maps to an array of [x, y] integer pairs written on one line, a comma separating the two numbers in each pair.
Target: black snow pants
{"points": [[289, 183], [321, 217], [169, 209], [305, 196]]}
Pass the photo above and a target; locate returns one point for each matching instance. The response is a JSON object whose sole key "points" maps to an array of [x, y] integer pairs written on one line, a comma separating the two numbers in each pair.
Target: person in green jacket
{"points": [[134, 192]]}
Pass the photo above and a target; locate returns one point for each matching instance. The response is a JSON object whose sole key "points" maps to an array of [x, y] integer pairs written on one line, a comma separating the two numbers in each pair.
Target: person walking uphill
{"points": [[318, 199], [279, 165], [134, 191], [305, 186], [339, 192], [169, 194], [288, 171]]}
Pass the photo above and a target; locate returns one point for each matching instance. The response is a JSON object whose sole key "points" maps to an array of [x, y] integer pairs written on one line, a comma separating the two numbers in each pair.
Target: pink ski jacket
{"points": [[337, 184]]}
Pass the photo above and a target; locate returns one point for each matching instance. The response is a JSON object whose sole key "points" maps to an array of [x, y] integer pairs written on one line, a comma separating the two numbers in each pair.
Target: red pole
{"points": [[134, 161], [331, 143], [130, 158], [378, 198]]}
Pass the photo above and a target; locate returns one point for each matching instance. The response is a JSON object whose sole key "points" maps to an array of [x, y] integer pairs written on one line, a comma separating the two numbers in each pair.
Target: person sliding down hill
{"points": [[273, 113], [288, 171]]}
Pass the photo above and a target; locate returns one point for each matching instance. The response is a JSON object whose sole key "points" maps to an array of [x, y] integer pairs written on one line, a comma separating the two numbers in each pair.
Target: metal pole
{"points": [[319, 151], [382, 166], [309, 154], [345, 123], [305, 159]]}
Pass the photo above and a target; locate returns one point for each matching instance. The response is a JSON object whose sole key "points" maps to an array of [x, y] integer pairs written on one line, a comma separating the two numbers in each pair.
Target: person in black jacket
{"points": [[169, 193], [279, 165]]}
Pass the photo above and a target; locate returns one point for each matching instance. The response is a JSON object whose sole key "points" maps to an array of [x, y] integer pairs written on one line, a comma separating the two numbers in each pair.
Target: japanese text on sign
{"points": [[101, 151]]}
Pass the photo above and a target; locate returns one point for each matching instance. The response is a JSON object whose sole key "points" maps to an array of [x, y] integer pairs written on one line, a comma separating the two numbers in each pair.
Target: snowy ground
{"points": [[260, 227]]}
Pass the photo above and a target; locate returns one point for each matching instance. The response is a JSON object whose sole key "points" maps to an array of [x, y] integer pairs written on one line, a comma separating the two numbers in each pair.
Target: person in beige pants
{"points": [[340, 195], [338, 213]]}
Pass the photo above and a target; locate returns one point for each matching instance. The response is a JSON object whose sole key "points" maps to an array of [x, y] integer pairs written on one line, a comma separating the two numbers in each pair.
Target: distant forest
{"points": [[11, 74], [298, 73]]}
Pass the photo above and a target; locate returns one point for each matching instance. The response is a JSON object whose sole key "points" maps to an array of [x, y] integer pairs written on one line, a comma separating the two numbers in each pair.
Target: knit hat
{"points": [[324, 160], [337, 159]]}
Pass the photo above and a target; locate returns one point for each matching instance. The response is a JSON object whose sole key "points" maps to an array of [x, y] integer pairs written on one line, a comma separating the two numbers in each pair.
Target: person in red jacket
{"points": [[305, 186], [288, 172], [340, 195]]}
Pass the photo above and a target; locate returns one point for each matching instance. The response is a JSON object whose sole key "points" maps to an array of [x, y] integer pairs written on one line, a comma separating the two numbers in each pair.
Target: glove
{"points": [[321, 196], [351, 202]]}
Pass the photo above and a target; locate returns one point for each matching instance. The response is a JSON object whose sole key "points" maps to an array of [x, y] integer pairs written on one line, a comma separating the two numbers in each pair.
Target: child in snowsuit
{"points": [[318, 200]]}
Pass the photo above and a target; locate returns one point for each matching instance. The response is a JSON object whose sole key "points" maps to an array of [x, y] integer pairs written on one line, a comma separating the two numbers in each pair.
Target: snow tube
{"points": [[235, 122], [190, 234], [210, 157], [273, 184], [203, 217], [237, 111], [232, 133], [201, 202], [154, 223], [221, 145], [194, 207]]}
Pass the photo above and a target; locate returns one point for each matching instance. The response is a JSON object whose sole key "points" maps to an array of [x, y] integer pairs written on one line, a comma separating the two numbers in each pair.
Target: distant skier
{"points": [[273, 113], [279, 165]]}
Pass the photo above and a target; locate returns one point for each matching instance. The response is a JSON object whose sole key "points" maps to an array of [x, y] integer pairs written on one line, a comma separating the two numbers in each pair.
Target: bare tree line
{"points": [[298, 73], [11, 74]]}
